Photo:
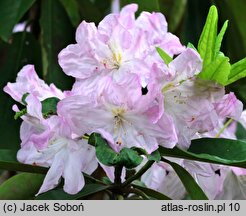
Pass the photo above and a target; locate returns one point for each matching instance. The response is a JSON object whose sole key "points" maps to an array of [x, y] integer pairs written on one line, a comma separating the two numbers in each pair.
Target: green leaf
{"points": [[218, 70], [104, 153], [166, 58], [72, 9], [107, 156], [155, 156], [23, 99], [59, 194], [211, 150], [233, 151], [11, 12], [219, 38], [128, 158], [140, 151], [21, 186], [238, 71], [151, 193], [193, 189], [206, 44], [49, 106], [56, 33]]}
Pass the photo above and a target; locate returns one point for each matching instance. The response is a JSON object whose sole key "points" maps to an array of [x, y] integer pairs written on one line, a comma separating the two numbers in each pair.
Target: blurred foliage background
{"points": [[50, 25]]}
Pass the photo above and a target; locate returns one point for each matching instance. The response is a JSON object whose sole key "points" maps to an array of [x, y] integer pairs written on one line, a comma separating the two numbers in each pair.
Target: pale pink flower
{"points": [[119, 50], [114, 49], [66, 157], [28, 82], [49, 141], [235, 183], [242, 119], [123, 121], [154, 26], [195, 105], [210, 177], [229, 106], [234, 187], [161, 177], [190, 110]]}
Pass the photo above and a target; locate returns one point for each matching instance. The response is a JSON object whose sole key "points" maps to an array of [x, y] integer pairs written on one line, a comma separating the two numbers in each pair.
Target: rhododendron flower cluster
{"points": [[128, 94], [213, 179]]}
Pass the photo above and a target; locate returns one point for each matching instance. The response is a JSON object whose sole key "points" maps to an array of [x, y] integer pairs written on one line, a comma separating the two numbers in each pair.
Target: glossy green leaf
{"points": [[56, 33], [238, 71], [128, 158], [233, 151], [219, 38], [59, 194], [107, 156], [206, 44], [218, 70], [23, 50], [49, 106], [21, 186], [193, 189], [104, 153], [151, 193], [166, 58], [140, 151], [23, 99], [212, 150], [72, 9], [11, 12]]}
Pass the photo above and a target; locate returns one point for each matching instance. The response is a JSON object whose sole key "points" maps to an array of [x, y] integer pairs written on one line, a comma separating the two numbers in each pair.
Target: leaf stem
{"points": [[138, 174]]}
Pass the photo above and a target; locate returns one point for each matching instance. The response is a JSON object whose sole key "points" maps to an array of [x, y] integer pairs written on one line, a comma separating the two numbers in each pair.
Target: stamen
{"points": [[119, 142], [222, 129], [113, 61]]}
